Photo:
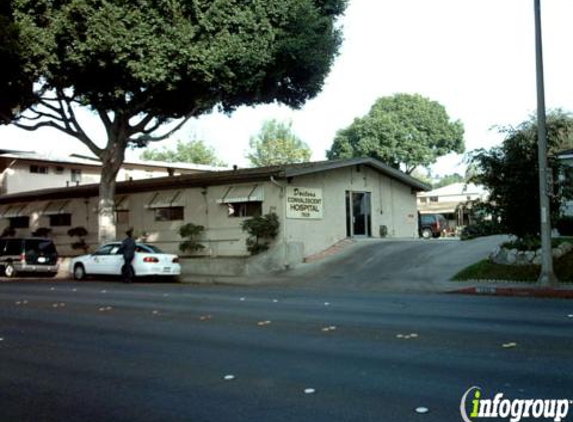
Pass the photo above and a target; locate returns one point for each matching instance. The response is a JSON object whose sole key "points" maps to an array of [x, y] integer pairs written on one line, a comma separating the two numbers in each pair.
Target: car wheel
{"points": [[9, 271], [426, 233], [79, 272]]}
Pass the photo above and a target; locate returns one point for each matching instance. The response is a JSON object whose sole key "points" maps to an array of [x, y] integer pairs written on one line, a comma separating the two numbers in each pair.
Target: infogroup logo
{"points": [[515, 410]]}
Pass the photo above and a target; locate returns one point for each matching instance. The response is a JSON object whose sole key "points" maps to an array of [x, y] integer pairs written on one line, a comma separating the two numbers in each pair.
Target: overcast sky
{"points": [[476, 57]]}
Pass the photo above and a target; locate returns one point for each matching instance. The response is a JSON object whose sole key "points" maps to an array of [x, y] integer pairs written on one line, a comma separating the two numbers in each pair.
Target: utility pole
{"points": [[546, 276]]}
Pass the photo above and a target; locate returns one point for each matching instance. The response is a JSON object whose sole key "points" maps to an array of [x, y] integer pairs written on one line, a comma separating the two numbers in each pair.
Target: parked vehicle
{"points": [[432, 225], [28, 255], [108, 260]]}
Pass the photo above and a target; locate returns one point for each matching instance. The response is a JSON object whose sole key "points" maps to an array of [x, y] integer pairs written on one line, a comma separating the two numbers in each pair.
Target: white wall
{"points": [[393, 205]]}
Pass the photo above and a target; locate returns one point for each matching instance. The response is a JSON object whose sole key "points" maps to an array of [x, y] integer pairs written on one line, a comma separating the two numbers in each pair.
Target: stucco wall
{"points": [[393, 205], [16, 176]]}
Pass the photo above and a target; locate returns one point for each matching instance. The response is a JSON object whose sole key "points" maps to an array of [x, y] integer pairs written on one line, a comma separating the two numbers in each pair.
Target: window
{"points": [[423, 200], [76, 175], [109, 249], [60, 220], [245, 209], [168, 214], [122, 217], [14, 247], [433, 199], [59, 170], [19, 222], [38, 169]]}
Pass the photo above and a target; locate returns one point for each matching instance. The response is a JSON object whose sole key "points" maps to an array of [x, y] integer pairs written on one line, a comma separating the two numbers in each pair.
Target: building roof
{"points": [[456, 189], [258, 174], [85, 160]]}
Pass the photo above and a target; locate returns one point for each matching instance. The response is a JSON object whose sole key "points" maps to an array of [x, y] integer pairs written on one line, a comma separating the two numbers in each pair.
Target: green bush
{"points": [[565, 226], [481, 228], [530, 243], [9, 232], [42, 232], [79, 232], [191, 232], [261, 231]]}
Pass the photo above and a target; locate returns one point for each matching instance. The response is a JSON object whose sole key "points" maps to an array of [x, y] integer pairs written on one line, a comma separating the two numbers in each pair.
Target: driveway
{"points": [[399, 265]]}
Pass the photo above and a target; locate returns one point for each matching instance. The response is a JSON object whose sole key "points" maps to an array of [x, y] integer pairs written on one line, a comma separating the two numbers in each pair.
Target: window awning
{"points": [[12, 211], [55, 208], [166, 199], [122, 203], [251, 193]]}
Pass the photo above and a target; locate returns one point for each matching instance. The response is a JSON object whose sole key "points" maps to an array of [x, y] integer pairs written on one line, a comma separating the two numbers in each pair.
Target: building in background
{"points": [[448, 201], [22, 171]]}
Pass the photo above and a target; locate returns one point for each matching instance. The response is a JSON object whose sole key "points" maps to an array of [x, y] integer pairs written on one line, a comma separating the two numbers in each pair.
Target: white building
{"points": [[445, 201], [22, 171], [318, 204]]}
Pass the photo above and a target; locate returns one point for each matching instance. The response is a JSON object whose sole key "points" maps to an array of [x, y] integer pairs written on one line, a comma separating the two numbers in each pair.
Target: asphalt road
{"points": [[103, 351]]}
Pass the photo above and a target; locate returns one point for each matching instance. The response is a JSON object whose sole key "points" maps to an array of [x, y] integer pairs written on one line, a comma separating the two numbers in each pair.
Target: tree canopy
{"points": [[511, 173], [402, 131], [448, 179], [140, 64], [15, 86], [277, 144], [195, 152]]}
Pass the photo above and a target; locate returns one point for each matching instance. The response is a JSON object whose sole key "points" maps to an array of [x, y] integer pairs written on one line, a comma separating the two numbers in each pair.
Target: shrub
{"points": [[529, 243], [9, 232], [565, 226], [191, 232], [80, 233], [42, 232], [481, 228], [262, 230]]}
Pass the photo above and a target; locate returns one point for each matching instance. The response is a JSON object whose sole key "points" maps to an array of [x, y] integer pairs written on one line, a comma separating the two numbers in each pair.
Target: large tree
{"points": [[15, 85], [404, 131], [142, 64], [195, 152], [510, 173], [275, 144]]}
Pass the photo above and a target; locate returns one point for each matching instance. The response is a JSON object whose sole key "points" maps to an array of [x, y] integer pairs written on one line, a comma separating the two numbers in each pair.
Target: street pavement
{"points": [[104, 351]]}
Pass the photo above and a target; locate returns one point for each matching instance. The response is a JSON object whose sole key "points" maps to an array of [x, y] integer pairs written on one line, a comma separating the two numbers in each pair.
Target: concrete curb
{"points": [[564, 292]]}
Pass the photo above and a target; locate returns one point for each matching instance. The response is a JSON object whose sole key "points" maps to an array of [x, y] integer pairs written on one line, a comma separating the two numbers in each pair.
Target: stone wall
{"points": [[515, 257]]}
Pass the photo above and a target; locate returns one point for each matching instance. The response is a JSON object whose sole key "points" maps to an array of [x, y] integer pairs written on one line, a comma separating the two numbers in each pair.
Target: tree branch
{"points": [[146, 137], [77, 128]]}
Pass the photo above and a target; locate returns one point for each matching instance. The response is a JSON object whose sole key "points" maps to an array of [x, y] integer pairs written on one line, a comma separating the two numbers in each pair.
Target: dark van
{"points": [[432, 225], [28, 255]]}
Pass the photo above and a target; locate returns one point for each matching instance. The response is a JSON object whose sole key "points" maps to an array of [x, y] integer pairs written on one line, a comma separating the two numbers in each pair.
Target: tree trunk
{"points": [[112, 159]]}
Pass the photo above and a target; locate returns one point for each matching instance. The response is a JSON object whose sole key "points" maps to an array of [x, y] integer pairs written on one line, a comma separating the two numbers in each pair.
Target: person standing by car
{"points": [[127, 248]]}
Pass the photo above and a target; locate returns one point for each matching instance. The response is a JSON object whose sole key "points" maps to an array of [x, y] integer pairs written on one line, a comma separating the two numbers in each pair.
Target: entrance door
{"points": [[358, 214]]}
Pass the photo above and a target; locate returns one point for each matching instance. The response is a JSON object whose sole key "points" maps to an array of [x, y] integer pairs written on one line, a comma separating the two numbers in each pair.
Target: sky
{"points": [[475, 57]]}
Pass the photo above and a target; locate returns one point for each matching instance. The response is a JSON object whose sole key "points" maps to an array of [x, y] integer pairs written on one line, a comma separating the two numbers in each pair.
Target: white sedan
{"points": [[107, 260]]}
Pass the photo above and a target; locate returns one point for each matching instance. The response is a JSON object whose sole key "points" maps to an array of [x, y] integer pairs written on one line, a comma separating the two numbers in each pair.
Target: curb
{"points": [[516, 292]]}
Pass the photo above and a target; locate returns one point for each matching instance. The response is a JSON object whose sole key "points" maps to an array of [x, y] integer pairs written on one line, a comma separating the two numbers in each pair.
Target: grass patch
{"points": [[487, 270]]}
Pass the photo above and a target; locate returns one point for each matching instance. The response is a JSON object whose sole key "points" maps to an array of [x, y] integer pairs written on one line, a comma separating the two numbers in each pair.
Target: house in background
{"points": [[446, 201], [22, 171]]}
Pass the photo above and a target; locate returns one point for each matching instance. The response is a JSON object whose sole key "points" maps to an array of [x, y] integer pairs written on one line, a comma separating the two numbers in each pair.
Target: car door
{"points": [[115, 260], [99, 261]]}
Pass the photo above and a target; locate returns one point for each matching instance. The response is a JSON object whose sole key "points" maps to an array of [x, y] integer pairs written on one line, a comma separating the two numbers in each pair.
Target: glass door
{"points": [[358, 214]]}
